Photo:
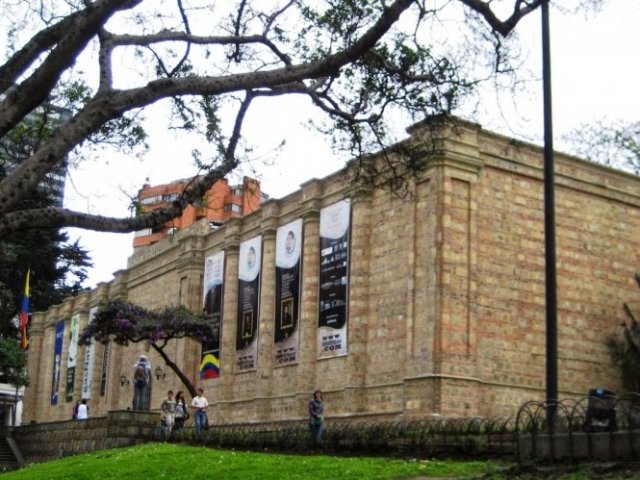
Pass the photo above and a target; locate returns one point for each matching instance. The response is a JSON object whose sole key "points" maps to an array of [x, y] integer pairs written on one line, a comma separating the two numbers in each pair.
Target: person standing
{"points": [[181, 414], [200, 405], [83, 410], [168, 409], [316, 416], [142, 385]]}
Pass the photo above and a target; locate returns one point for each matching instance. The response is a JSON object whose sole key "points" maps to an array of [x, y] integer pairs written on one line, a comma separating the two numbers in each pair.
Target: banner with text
{"points": [[89, 359], [212, 308], [334, 270], [248, 303], [74, 332], [288, 254], [57, 362], [104, 372]]}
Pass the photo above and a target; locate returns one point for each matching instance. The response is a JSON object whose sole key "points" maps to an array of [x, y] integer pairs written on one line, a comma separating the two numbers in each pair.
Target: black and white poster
{"points": [[287, 313], [57, 362], [89, 359], [72, 356], [249, 264], [335, 221], [212, 309]]}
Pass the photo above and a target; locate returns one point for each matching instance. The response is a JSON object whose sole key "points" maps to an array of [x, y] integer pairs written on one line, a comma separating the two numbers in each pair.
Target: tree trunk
{"points": [[169, 363]]}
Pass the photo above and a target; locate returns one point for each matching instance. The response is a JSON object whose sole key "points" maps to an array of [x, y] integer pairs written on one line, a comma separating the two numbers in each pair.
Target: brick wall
{"points": [[48, 441], [446, 292]]}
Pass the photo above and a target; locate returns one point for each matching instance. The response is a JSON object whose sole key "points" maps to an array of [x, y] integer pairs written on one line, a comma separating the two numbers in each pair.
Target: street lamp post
{"points": [[549, 225]]}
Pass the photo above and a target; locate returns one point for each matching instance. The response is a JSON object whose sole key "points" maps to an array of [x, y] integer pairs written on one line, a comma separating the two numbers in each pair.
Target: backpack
{"points": [[140, 376]]}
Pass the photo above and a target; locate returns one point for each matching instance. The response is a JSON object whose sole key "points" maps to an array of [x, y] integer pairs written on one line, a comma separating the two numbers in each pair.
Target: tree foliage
{"points": [[125, 323], [624, 346], [58, 268], [360, 62], [13, 363], [616, 144]]}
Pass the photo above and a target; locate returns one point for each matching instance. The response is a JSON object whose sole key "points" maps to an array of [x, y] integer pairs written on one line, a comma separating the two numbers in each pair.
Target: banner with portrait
{"points": [[212, 309], [287, 313], [249, 264], [89, 359], [74, 332], [57, 362], [335, 221]]}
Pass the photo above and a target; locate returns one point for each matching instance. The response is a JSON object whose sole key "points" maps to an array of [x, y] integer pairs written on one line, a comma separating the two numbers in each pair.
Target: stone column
{"points": [[100, 404], [231, 247], [267, 304], [359, 278], [186, 354], [309, 296], [33, 397]]}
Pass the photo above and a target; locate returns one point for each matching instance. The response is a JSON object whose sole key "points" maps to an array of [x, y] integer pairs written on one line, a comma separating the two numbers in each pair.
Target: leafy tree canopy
{"points": [[58, 268], [13, 363], [360, 62], [613, 143], [125, 323]]}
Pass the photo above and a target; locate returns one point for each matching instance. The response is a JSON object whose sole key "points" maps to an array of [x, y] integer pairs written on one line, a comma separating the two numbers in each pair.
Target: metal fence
{"points": [[599, 426], [470, 437]]}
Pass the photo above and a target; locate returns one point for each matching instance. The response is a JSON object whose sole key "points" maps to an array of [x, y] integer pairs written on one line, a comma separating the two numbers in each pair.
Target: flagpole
{"points": [[24, 313]]}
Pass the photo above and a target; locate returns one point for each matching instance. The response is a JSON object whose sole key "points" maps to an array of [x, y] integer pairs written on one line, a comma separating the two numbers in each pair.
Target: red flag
{"points": [[24, 315]]}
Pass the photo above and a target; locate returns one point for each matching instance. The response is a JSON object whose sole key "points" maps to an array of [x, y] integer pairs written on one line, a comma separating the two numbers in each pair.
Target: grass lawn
{"points": [[175, 462]]}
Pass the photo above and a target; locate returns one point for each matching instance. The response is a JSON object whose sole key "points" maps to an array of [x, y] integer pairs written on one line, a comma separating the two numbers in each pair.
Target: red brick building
{"points": [[221, 202]]}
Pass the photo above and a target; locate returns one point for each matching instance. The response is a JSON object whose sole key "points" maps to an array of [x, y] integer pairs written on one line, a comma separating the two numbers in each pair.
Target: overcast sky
{"points": [[595, 72]]}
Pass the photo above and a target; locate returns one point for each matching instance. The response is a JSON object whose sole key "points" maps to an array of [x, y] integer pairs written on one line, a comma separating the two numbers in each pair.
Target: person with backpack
{"points": [[182, 413], [142, 385]]}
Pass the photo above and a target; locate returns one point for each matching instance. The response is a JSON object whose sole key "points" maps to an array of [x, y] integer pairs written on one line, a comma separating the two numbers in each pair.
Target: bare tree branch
{"points": [[348, 59]]}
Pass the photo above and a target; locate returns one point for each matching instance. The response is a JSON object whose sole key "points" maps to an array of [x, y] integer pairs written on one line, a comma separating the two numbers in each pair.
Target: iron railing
{"points": [[598, 426]]}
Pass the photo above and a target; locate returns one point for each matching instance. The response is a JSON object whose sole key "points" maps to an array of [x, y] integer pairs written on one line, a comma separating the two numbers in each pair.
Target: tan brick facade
{"points": [[446, 293]]}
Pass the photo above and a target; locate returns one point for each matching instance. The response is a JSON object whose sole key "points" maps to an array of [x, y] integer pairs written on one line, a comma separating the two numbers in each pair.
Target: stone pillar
{"points": [[35, 392], [309, 298], [359, 278], [267, 305], [231, 247], [119, 396], [186, 353]]}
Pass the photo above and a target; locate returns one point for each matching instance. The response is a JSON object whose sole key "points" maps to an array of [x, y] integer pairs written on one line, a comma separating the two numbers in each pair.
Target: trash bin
{"points": [[601, 415]]}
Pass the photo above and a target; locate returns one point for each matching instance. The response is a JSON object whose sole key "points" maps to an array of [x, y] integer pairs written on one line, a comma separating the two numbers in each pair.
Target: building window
{"points": [[150, 200], [232, 207], [170, 198]]}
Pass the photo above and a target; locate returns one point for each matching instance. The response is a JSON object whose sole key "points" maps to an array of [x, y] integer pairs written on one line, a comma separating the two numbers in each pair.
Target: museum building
{"points": [[395, 307]]}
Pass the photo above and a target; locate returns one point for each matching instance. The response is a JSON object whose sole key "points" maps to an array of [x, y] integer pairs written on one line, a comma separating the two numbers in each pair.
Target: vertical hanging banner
{"points": [[212, 308], [57, 362], [288, 254], [104, 374], [248, 303], [334, 266], [89, 359], [74, 332]]}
